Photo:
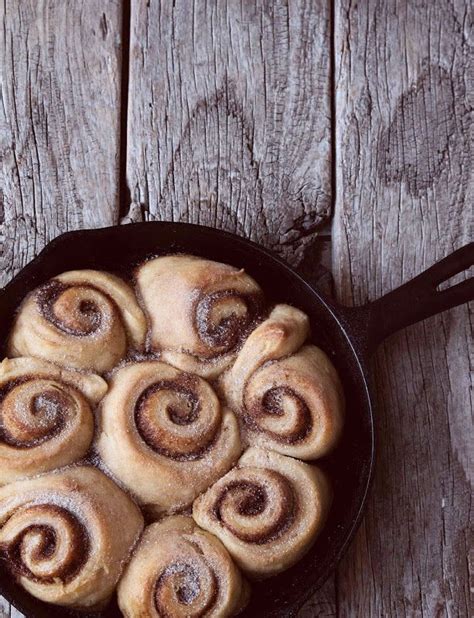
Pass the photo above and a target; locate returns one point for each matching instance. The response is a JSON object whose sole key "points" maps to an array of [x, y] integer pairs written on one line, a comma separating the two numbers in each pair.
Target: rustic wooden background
{"points": [[282, 121]]}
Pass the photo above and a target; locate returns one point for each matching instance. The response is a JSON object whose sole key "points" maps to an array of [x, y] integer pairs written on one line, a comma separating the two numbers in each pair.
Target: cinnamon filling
{"points": [[183, 412], [180, 583], [47, 547], [49, 407], [259, 415], [255, 502], [59, 305], [248, 500], [224, 318]]}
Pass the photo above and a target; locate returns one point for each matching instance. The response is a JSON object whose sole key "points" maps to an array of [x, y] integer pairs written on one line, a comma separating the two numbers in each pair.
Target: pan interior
{"points": [[119, 250]]}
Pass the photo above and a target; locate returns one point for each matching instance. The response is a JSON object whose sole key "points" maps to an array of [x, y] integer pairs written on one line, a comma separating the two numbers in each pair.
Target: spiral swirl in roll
{"points": [[248, 496], [33, 537], [46, 419], [65, 535], [181, 571], [164, 435], [267, 511], [200, 311], [288, 395], [84, 319]]}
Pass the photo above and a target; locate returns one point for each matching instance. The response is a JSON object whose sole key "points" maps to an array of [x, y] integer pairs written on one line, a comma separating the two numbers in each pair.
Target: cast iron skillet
{"points": [[349, 336]]}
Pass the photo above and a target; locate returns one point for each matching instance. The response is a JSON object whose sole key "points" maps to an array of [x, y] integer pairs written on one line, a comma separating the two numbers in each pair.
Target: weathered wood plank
{"points": [[4, 608], [59, 122], [59, 125], [323, 603], [404, 89], [229, 117]]}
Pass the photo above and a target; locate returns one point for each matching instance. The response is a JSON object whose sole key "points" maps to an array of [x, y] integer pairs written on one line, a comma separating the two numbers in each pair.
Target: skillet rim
{"points": [[336, 311]]}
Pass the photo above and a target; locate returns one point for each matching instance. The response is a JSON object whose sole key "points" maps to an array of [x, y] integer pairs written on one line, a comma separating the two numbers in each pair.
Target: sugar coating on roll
{"points": [[287, 394], [267, 511], [46, 416], [66, 535], [84, 319], [164, 435], [200, 311], [180, 570]]}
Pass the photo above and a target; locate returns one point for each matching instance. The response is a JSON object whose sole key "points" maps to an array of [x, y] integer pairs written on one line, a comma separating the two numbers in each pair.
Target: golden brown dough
{"points": [[65, 535], [83, 319], [46, 419], [267, 511], [200, 311], [288, 395], [179, 570], [164, 435]]}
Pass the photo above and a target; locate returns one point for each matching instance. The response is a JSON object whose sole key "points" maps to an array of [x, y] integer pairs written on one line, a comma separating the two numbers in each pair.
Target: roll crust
{"points": [[287, 394], [180, 570], [210, 308], [46, 417], [66, 535], [164, 435], [84, 319], [267, 511]]}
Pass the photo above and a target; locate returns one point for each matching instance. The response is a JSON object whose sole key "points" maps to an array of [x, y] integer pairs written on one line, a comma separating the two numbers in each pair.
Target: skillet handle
{"points": [[418, 299]]}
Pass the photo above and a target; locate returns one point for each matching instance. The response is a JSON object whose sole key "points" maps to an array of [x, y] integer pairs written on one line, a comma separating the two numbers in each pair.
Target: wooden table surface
{"points": [[280, 121]]}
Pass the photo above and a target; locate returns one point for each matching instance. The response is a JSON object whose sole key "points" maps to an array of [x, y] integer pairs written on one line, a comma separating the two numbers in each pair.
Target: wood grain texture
{"points": [[59, 122], [404, 98], [59, 126], [8, 611], [4, 608], [229, 117]]}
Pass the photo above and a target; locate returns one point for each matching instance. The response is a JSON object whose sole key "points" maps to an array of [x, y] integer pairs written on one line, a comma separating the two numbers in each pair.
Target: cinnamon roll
{"points": [[164, 435], [46, 419], [65, 535], [200, 311], [83, 319], [181, 571], [287, 395], [267, 511]]}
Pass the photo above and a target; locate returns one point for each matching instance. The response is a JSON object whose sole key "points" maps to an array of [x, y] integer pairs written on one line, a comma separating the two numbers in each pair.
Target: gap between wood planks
{"points": [[125, 195]]}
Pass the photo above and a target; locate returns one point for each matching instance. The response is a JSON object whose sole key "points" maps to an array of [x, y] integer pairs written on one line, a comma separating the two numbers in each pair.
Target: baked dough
{"points": [[46, 418], [181, 571], [65, 535], [85, 319], [287, 394], [200, 311], [267, 511], [164, 435]]}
